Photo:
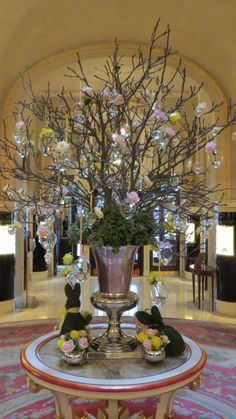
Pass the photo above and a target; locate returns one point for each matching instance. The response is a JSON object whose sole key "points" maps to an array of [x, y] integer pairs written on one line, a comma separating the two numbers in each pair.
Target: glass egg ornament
{"points": [[127, 209], [81, 268], [11, 229], [216, 159], [197, 168], [165, 255], [90, 219], [20, 126], [159, 293]]}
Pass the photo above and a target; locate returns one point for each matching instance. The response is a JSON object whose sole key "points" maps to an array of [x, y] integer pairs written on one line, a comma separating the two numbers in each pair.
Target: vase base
{"points": [[108, 345], [114, 340]]}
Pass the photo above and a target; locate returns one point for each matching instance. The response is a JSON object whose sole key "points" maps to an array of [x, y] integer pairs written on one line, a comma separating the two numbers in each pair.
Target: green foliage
{"points": [[116, 231], [154, 319]]}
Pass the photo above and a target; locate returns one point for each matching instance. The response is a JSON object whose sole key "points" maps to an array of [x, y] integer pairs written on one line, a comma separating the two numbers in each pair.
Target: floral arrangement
{"points": [[151, 324], [123, 151], [73, 342], [152, 339]]}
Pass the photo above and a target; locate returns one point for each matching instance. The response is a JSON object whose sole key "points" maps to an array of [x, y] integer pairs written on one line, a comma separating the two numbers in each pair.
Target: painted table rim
{"points": [[32, 363]]}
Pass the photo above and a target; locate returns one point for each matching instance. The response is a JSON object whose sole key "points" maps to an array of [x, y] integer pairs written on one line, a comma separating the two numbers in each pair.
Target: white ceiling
{"points": [[202, 30]]}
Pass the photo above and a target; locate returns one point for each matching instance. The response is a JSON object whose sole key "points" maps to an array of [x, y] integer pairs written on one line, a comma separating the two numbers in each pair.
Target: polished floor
{"points": [[46, 297]]}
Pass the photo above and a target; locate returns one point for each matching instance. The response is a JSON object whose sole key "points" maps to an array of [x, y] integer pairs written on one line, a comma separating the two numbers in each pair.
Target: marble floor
{"points": [[45, 298]]}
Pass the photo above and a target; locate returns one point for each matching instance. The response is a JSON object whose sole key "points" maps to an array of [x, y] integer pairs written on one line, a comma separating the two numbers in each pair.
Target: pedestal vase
{"points": [[114, 295]]}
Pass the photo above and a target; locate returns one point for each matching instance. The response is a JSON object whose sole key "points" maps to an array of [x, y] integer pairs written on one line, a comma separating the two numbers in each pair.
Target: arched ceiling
{"points": [[203, 31]]}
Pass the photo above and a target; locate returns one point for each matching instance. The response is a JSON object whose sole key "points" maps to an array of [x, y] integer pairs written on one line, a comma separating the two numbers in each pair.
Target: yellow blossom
{"points": [[60, 342], [156, 342], [65, 271], [174, 117], [67, 259], [74, 334], [141, 337]]}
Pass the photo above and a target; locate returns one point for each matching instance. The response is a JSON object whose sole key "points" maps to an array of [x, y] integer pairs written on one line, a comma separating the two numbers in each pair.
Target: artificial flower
{"points": [[169, 131], [165, 339], [174, 117], [141, 337], [119, 140], [105, 92], [157, 342], [47, 133], [159, 115], [119, 100], [133, 197], [88, 91], [67, 346], [210, 146], [147, 344], [74, 334], [150, 332], [60, 342], [82, 333], [62, 146], [98, 212], [68, 259], [83, 342], [42, 231]]}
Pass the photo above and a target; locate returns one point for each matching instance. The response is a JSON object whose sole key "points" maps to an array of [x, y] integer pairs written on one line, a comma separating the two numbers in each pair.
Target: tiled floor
{"points": [[47, 297]]}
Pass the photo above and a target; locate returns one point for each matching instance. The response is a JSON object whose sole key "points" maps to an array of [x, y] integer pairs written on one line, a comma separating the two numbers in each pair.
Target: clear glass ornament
{"points": [[165, 255], [20, 126], [11, 229], [116, 158], [156, 134], [113, 114], [79, 118], [215, 130], [140, 184], [180, 223], [90, 219], [127, 209], [197, 168], [81, 268], [19, 138], [216, 159], [158, 293], [200, 109], [175, 182], [48, 257]]}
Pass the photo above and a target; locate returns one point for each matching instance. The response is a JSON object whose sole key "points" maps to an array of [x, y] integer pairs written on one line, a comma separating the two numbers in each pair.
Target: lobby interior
{"points": [[41, 38]]}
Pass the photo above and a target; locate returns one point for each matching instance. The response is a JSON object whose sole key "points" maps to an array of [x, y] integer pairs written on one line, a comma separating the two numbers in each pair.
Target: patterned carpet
{"points": [[216, 398]]}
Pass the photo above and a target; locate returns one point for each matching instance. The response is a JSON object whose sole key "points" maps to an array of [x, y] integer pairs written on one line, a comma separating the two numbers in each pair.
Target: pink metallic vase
{"points": [[114, 269]]}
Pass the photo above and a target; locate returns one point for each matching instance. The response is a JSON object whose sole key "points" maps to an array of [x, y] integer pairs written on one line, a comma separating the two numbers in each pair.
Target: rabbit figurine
{"points": [[73, 319]]}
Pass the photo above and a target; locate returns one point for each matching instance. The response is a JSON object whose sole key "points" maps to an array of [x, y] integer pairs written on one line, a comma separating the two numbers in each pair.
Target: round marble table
{"points": [[110, 379]]}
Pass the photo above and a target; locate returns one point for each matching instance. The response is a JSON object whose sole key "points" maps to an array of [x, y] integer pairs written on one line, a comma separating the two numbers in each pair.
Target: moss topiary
{"points": [[154, 319]]}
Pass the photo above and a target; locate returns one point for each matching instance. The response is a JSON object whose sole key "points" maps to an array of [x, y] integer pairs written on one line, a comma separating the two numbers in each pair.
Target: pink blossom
{"points": [[88, 91], [150, 332], [159, 115], [147, 343], [119, 140], [210, 146], [182, 201], [83, 342], [165, 339], [105, 92], [42, 231], [170, 132], [68, 346], [119, 100], [133, 197]]}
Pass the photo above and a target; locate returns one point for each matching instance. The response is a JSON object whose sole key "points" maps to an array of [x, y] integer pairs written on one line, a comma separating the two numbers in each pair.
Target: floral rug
{"points": [[216, 398]]}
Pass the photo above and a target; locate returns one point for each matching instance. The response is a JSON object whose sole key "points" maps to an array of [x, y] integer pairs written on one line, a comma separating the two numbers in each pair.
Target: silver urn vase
{"points": [[75, 358], [114, 295], [154, 356]]}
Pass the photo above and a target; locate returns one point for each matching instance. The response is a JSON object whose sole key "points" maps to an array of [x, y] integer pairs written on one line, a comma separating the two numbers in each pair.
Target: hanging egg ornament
{"points": [[156, 134], [197, 168], [20, 126], [158, 293], [175, 182], [127, 209], [81, 268], [165, 255], [48, 257], [215, 131], [116, 158], [216, 159], [11, 229], [90, 219], [200, 109]]}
